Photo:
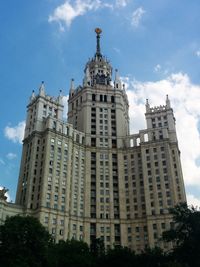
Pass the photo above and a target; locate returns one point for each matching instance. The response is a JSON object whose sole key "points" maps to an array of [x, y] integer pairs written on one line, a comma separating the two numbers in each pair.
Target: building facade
{"points": [[90, 178]]}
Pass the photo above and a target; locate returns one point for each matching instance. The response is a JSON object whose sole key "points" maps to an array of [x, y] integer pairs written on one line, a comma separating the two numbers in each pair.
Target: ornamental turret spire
{"points": [[168, 102], [72, 88], [117, 82], [98, 69], [98, 51], [147, 106], [42, 89]]}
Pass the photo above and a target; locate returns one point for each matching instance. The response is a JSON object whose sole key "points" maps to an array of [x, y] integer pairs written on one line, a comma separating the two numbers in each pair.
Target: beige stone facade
{"points": [[89, 178]]}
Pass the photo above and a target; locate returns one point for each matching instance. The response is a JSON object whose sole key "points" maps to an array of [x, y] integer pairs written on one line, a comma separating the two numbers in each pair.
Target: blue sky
{"points": [[154, 44]]}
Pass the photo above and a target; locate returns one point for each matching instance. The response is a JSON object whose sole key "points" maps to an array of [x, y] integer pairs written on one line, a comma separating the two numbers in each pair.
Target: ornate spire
{"points": [[72, 85], [98, 32], [147, 105], [117, 82], [116, 74], [72, 88], [60, 97], [32, 95], [98, 69], [168, 102], [42, 89]]}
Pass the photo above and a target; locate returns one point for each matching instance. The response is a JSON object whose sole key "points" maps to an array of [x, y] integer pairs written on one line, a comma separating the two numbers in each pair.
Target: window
{"points": [[107, 238], [46, 219], [163, 225], [154, 226], [137, 229]]}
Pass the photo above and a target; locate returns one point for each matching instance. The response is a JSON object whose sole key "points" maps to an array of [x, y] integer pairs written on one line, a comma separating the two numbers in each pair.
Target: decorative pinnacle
{"points": [[98, 32], [147, 105], [168, 101]]}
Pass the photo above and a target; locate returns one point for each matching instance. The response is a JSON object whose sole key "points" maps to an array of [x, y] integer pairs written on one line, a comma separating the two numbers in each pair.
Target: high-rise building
{"points": [[89, 177]]}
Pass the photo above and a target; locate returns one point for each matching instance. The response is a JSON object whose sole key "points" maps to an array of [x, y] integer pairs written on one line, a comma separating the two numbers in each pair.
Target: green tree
{"points": [[70, 253], [118, 257], [152, 257], [97, 247], [185, 235], [23, 242]]}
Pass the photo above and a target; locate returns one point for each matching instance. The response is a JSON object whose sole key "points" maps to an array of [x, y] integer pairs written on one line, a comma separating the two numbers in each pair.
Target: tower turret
{"points": [[147, 105], [97, 70], [72, 88], [32, 96], [42, 89], [168, 102], [98, 51], [117, 83]]}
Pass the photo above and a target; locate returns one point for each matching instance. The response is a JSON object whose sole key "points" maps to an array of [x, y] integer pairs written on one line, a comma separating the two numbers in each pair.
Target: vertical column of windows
{"points": [[158, 180], [57, 175], [115, 186], [135, 188], [75, 185], [113, 128], [117, 234], [104, 186], [103, 127], [176, 173], [82, 185], [93, 186], [93, 126], [126, 178], [25, 178], [92, 233]]}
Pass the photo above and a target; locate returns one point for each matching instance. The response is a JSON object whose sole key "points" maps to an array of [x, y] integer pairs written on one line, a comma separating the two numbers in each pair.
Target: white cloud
{"points": [[121, 3], [198, 53], [11, 156], [16, 133], [193, 201], [137, 16], [157, 68], [65, 103], [185, 99], [68, 11]]}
